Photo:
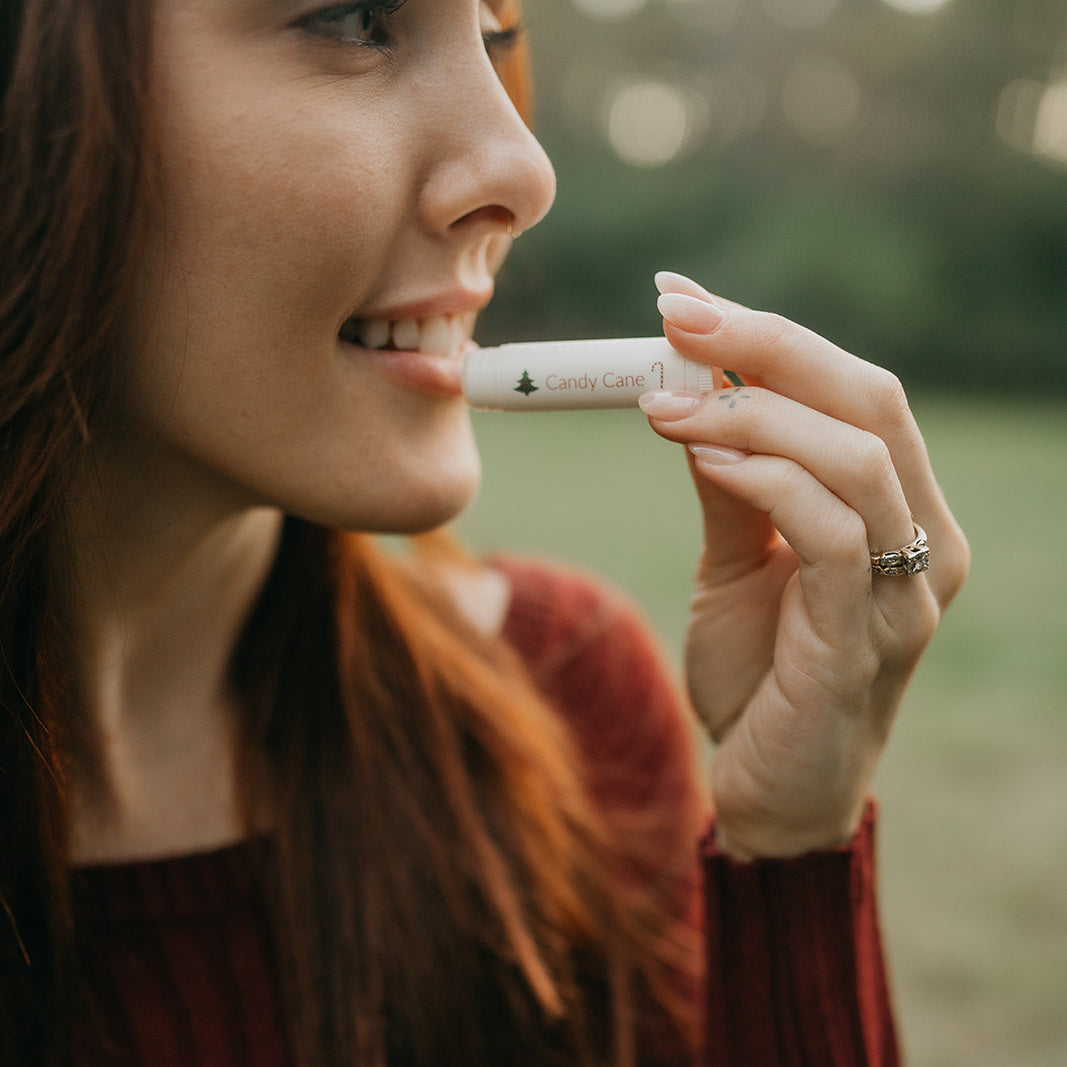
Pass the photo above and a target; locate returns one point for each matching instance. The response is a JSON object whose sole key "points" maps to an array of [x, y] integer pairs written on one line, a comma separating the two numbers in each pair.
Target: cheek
{"points": [[272, 184], [272, 226], [259, 252], [259, 231], [235, 364]]}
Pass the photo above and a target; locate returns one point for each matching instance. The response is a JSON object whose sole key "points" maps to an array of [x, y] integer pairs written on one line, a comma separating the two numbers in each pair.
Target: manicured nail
{"points": [[667, 281], [669, 406], [689, 313], [719, 455]]}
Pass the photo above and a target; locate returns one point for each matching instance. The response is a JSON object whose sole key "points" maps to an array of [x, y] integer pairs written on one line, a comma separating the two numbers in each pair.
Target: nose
{"points": [[488, 171]]}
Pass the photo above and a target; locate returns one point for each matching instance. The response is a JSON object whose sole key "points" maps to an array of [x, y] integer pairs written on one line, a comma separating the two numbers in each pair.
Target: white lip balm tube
{"points": [[573, 375]]}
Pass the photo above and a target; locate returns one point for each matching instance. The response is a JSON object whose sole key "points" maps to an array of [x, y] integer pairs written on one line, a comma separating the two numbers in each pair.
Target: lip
{"points": [[419, 372], [429, 374], [457, 302]]}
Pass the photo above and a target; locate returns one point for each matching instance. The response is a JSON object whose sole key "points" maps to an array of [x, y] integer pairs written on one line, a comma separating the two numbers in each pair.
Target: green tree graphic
{"points": [[525, 386]]}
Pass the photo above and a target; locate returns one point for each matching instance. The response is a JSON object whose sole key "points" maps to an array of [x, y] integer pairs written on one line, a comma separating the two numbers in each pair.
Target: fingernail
{"points": [[689, 313], [669, 406], [719, 455], [668, 281]]}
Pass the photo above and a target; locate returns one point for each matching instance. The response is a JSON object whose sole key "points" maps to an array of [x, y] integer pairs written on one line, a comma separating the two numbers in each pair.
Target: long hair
{"points": [[426, 798], [70, 127]]}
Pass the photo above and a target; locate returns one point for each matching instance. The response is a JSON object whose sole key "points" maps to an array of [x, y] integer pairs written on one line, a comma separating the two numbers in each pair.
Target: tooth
{"points": [[437, 335], [457, 333], [406, 335], [374, 333]]}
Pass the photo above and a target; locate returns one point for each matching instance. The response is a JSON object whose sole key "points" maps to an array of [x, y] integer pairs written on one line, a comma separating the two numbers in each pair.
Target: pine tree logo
{"points": [[526, 385]]}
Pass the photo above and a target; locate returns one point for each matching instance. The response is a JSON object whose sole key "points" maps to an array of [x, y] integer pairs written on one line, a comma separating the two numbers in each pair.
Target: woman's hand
{"points": [[797, 655]]}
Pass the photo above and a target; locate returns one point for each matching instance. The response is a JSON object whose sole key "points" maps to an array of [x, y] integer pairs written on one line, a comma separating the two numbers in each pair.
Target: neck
{"points": [[157, 588]]}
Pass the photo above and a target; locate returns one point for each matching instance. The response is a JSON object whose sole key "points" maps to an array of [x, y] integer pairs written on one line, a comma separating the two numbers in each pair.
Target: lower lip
{"points": [[419, 372]]}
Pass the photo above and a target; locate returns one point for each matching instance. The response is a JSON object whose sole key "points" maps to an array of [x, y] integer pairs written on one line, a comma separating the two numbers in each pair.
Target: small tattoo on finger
{"points": [[734, 396]]}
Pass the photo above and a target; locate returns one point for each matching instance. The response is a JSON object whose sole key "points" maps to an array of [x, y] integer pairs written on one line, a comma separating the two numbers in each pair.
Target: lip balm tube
{"points": [[576, 375]]}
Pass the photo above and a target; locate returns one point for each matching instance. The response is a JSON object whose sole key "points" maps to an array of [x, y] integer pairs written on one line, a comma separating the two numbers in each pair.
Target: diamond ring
{"points": [[913, 558]]}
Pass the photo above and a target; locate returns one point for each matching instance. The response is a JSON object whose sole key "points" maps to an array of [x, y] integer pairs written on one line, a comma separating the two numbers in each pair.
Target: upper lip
{"points": [[455, 302]]}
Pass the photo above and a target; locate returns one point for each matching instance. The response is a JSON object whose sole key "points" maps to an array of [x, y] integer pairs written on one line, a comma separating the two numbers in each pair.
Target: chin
{"points": [[424, 514], [403, 501], [429, 485]]}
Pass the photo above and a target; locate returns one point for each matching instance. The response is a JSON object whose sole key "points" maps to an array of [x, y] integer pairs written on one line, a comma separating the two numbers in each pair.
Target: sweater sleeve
{"points": [[794, 969]]}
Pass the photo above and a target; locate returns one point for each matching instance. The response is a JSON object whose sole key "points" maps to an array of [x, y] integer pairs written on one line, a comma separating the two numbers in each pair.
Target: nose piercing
{"points": [[511, 228]]}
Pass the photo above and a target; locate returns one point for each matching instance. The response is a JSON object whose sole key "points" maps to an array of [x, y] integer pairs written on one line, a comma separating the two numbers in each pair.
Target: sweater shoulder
{"points": [[556, 611], [585, 643], [591, 653]]}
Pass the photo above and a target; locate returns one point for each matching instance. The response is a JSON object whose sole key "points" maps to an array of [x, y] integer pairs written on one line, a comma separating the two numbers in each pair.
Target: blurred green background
{"points": [[895, 179], [893, 174]]}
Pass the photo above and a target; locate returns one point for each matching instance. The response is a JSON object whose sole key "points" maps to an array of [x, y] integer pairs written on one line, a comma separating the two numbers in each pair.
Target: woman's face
{"points": [[331, 179]]}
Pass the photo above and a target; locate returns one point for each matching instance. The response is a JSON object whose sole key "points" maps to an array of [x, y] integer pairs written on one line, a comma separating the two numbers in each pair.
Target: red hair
{"points": [[483, 849], [70, 131]]}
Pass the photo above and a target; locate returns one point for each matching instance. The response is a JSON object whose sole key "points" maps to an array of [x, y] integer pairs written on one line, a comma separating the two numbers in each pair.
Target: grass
{"points": [[974, 794]]}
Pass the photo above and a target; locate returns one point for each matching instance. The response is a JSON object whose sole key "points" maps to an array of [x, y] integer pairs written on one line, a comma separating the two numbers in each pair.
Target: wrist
{"points": [[747, 840]]}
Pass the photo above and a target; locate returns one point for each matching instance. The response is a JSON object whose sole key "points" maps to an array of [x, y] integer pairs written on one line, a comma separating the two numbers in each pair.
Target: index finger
{"points": [[798, 363], [780, 354]]}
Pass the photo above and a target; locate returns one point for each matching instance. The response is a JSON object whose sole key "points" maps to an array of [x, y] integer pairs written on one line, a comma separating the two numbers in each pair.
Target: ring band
{"points": [[912, 559]]}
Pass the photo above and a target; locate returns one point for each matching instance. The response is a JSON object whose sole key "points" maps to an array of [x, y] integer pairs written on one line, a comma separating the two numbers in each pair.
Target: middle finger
{"points": [[854, 464]]}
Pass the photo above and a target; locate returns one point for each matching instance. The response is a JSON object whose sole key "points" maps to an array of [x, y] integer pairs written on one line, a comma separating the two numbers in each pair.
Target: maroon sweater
{"points": [[184, 975]]}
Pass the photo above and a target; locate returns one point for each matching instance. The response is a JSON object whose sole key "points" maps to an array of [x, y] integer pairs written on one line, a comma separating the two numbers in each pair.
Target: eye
{"points": [[499, 40], [501, 43], [364, 23]]}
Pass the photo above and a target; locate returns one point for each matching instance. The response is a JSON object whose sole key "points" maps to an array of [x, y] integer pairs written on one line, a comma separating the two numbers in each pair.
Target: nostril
{"points": [[494, 215]]}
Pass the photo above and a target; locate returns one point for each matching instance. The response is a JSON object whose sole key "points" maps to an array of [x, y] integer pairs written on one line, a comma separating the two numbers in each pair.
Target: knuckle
{"points": [[923, 620], [795, 480], [889, 397], [953, 563], [927, 616], [873, 462], [775, 331], [910, 631]]}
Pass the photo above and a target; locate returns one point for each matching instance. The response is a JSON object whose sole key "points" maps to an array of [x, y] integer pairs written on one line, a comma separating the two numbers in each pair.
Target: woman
{"points": [[272, 795]]}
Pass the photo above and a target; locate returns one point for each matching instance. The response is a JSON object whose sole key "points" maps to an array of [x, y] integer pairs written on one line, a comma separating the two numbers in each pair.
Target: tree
{"points": [[526, 385]]}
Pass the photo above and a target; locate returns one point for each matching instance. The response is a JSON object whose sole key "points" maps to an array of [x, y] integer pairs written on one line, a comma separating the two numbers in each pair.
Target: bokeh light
{"points": [[917, 7], [1050, 123], [649, 122], [609, 10], [1032, 117], [1016, 114]]}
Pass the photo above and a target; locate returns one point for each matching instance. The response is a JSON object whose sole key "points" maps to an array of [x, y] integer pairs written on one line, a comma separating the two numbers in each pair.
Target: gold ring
{"points": [[913, 558]]}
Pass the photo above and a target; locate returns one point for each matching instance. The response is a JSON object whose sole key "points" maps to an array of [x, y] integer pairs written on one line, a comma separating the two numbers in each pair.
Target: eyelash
{"points": [[375, 13], [498, 43], [501, 43]]}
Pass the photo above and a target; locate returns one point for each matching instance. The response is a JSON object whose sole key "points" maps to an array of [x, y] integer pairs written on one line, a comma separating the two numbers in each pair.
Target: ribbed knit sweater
{"points": [[184, 973]]}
